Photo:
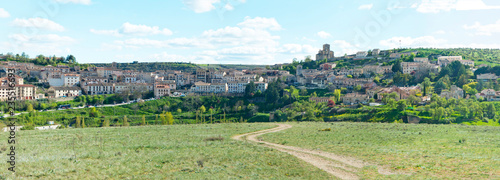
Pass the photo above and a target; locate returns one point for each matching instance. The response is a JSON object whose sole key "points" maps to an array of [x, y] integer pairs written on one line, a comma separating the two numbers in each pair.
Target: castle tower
{"points": [[326, 48], [326, 53]]}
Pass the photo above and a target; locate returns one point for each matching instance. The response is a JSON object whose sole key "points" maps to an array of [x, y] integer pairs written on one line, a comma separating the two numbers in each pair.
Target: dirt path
{"points": [[340, 166]]}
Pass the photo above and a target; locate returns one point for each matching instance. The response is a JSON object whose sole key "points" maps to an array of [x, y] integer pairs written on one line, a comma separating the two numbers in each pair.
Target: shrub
{"points": [[214, 139]]}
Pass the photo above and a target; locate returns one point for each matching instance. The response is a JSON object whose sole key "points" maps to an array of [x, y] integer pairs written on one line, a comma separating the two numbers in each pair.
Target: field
{"points": [[418, 151], [151, 152]]}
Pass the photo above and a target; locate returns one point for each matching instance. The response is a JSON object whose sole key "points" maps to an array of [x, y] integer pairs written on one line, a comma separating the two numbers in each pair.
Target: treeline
{"points": [[475, 54], [42, 60]]}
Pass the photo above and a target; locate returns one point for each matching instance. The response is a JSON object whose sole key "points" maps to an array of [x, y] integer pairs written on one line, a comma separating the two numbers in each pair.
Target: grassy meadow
{"points": [[202, 151], [418, 151]]}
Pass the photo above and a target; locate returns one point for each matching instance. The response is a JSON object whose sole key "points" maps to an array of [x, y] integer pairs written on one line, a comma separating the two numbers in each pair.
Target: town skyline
{"points": [[239, 32]]}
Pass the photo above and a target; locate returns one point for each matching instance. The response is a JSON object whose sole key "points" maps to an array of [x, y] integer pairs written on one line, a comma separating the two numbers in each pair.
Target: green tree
{"points": [[337, 93], [106, 122], [427, 86], [94, 112], [30, 108], [303, 92], [179, 110], [202, 109], [83, 122], [169, 118], [357, 88], [78, 122], [143, 120], [397, 67], [442, 84], [462, 80], [491, 111], [401, 105], [250, 89], [125, 121]]}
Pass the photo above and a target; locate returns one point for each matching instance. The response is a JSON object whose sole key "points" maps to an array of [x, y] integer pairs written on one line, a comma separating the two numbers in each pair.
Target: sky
{"points": [[240, 31]]}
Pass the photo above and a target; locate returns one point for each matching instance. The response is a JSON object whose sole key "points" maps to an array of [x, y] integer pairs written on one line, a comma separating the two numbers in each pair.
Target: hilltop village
{"points": [[361, 84]]}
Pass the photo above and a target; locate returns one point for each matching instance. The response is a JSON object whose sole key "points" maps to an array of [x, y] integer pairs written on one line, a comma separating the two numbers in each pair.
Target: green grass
{"points": [[424, 151], [151, 152]]}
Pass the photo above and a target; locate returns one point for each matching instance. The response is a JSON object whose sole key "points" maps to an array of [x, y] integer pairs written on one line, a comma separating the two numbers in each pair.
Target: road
{"points": [[342, 167]]}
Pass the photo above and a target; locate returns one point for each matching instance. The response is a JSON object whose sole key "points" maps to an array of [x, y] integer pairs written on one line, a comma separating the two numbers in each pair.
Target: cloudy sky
{"points": [[240, 31]]}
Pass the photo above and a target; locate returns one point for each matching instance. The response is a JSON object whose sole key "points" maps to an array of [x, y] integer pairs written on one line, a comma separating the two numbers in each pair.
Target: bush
{"points": [[214, 139]]}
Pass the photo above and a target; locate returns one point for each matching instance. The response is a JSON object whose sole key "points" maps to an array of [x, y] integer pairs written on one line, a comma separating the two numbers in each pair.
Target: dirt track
{"points": [[340, 166]]}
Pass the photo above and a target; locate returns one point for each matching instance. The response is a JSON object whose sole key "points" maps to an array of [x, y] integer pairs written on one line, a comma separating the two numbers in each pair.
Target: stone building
{"points": [[326, 53]]}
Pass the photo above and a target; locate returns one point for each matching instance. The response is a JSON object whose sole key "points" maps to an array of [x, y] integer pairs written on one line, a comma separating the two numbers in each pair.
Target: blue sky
{"points": [[239, 31]]}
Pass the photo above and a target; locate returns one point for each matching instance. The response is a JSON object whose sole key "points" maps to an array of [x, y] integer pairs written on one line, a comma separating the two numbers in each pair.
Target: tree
{"points": [[441, 85], [78, 122], [169, 118], [83, 122], [30, 108], [143, 120], [397, 67], [202, 109], [438, 114], [401, 79], [331, 103], [401, 105], [250, 89], [179, 110], [337, 93], [125, 121], [357, 88], [303, 92], [427, 85], [106, 123], [294, 92], [462, 80], [94, 112], [413, 100], [491, 111]]}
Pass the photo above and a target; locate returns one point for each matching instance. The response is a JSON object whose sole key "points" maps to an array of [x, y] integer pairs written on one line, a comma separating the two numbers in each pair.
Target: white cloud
{"points": [[44, 38], [106, 32], [200, 6], [487, 29], [38, 23], [260, 23], [436, 6], [4, 13], [229, 7], [134, 30], [239, 36], [85, 2], [142, 30], [249, 42], [423, 41], [342, 47], [40, 44], [365, 7], [324, 35], [298, 49], [198, 58]]}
